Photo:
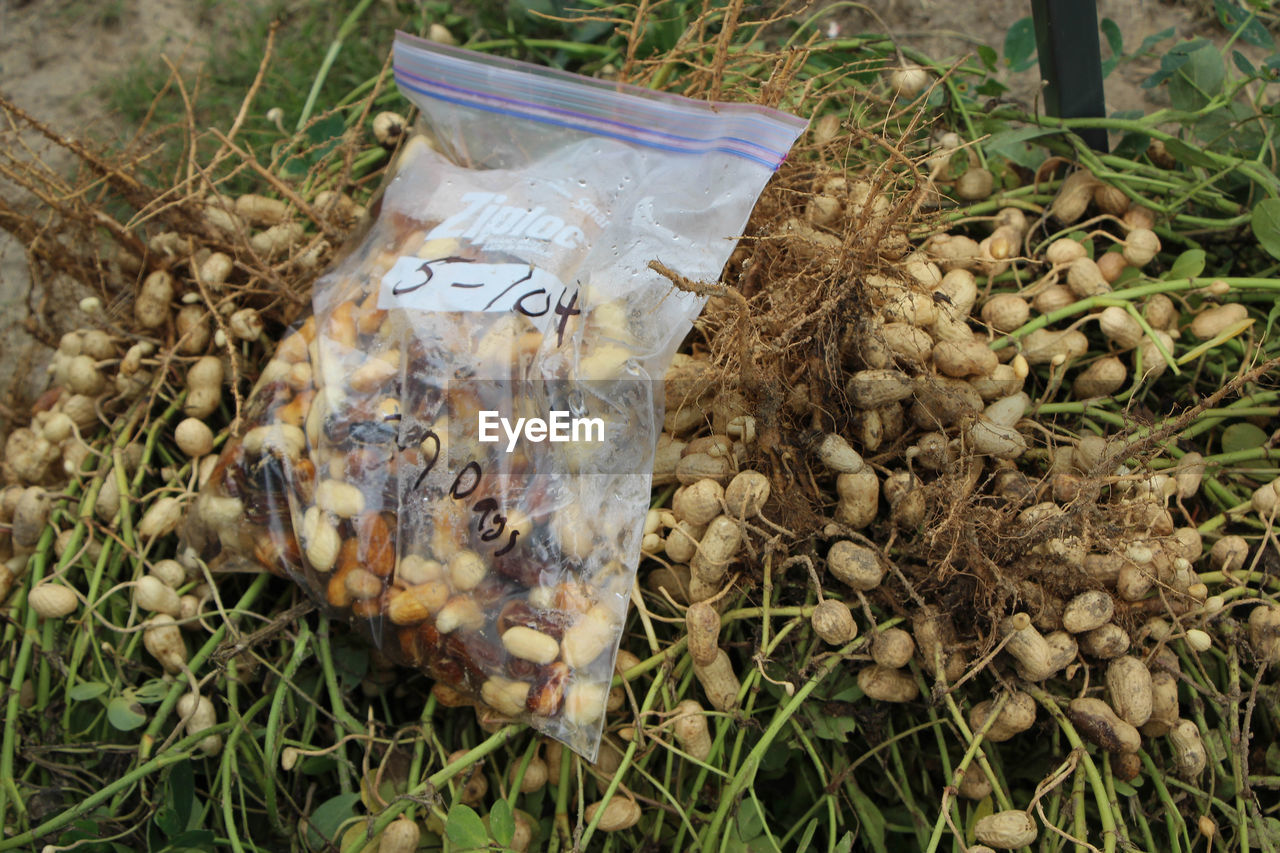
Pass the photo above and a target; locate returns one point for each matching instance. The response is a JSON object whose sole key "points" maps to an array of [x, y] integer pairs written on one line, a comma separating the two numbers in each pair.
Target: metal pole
{"points": [[1071, 62]]}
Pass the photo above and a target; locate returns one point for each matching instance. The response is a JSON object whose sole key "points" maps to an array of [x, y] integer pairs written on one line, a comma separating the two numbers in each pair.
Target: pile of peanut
{"points": [[921, 374]]}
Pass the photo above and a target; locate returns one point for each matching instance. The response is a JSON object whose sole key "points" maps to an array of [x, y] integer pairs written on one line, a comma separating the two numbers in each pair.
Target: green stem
{"points": [[616, 779], [12, 708], [271, 738], [180, 684], [442, 776], [335, 47], [1138, 292], [1105, 813], [179, 752], [747, 772]]}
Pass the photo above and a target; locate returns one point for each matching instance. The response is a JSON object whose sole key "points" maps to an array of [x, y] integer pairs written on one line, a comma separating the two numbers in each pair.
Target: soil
{"points": [[54, 54]]}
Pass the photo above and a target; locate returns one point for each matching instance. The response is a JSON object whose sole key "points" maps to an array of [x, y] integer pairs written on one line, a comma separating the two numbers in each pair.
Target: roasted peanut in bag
{"points": [[455, 450]]}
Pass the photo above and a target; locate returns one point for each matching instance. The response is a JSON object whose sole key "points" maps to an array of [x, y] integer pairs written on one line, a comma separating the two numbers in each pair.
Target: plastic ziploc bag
{"points": [[455, 450]]}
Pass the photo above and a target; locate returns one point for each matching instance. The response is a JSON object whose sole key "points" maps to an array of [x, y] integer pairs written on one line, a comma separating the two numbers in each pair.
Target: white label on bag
{"points": [[459, 284]]}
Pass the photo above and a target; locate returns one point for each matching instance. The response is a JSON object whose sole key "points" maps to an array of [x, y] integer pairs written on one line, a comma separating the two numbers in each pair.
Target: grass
{"points": [[233, 43]]}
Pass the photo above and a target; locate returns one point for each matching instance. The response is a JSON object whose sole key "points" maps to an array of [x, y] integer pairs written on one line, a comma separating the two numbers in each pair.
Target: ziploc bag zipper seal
{"points": [[506, 277], [616, 110]]}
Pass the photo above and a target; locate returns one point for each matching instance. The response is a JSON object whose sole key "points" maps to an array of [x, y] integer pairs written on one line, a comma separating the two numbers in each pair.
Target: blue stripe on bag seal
{"points": [[595, 128], [618, 111]]}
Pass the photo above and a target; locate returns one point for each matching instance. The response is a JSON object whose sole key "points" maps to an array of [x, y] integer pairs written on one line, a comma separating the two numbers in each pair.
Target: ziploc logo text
{"points": [[486, 216]]}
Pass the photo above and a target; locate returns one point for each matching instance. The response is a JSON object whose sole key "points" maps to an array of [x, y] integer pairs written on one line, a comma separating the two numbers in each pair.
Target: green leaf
{"points": [[1242, 436], [1188, 265], [180, 801], [1015, 145], [1154, 39], [984, 808], [1197, 80], [502, 823], [152, 691], [991, 88], [831, 727], [125, 715], [317, 765], [1243, 64], [1131, 145], [1273, 758], [987, 55], [809, 831], [324, 822], [1265, 222], [1115, 39], [350, 661], [1188, 154], [1127, 274], [167, 819], [1239, 21], [871, 819], [192, 840], [86, 690], [779, 758], [845, 845], [1020, 45], [750, 821], [465, 828], [1170, 62], [1124, 788]]}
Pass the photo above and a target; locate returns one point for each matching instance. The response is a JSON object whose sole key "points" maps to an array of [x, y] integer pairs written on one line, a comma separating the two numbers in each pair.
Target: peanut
{"points": [[1105, 642], [505, 695], [1130, 686], [1007, 830], [163, 641], [342, 499], [528, 644], [460, 612], [1026, 644], [833, 622], [719, 682], [747, 494], [892, 648], [584, 703], [150, 593], [199, 714], [1098, 722], [702, 623], [698, 503], [51, 600], [691, 729], [1087, 611], [717, 549], [855, 565], [587, 638], [618, 814], [885, 684], [1189, 755], [1164, 705], [1017, 715]]}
